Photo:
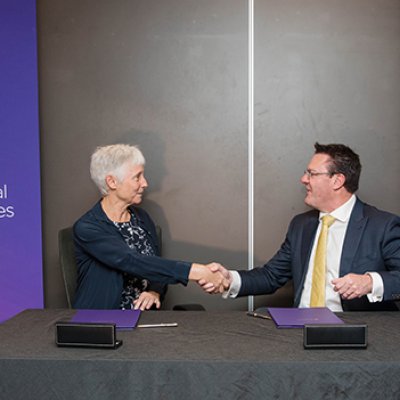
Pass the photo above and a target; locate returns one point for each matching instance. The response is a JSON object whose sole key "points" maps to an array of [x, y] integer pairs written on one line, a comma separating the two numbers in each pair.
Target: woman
{"points": [[117, 249]]}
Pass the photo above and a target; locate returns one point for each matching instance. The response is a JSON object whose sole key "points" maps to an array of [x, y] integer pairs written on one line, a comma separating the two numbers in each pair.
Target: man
{"points": [[362, 244]]}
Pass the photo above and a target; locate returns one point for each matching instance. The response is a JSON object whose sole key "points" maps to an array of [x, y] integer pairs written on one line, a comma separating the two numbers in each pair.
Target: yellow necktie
{"points": [[319, 273]]}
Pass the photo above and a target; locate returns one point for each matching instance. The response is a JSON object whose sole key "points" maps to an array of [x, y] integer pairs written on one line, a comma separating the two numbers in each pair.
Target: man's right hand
{"points": [[209, 287], [213, 277]]}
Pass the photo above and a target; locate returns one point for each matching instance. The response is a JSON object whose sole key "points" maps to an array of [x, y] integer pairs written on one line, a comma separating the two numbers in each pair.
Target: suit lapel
{"points": [[309, 230], [307, 241], [352, 238]]}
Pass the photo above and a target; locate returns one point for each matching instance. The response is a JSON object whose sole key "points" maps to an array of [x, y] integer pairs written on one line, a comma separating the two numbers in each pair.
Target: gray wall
{"points": [[171, 76], [326, 71]]}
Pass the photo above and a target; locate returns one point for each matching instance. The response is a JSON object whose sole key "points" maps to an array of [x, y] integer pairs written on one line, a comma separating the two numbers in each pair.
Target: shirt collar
{"points": [[343, 212]]}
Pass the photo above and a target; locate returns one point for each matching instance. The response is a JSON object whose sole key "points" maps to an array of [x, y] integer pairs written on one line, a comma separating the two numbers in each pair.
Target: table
{"points": [[210, 355]]}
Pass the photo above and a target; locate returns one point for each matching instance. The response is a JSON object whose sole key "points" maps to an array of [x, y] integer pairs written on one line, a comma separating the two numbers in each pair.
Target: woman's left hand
{"points": [[146, 300]]}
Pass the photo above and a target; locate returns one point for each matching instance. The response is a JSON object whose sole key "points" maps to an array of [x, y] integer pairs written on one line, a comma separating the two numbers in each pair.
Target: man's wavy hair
{"points": [[343, 161]]}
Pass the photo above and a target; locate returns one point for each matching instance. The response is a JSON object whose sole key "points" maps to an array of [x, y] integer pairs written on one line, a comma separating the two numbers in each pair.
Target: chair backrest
{"points": [[159, 237], [66, 254]]}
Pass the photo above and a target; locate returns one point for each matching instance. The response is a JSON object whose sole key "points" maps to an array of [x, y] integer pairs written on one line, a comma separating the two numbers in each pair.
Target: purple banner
{"points": [[21, 281]]}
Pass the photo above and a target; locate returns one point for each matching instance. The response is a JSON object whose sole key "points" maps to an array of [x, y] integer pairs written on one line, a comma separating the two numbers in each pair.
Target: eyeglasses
{"points": [[310, 174]]}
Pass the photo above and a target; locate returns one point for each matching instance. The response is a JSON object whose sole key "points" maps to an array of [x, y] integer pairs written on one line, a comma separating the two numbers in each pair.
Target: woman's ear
{"points": [[111, 182]]}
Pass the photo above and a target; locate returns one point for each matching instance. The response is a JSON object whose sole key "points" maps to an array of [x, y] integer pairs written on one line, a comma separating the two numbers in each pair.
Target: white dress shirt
{"points": [[336, 235]]}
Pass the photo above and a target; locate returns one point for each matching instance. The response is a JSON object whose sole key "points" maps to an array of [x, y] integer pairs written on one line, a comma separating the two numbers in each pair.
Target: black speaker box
{"points": [[74, 334], [335, 336]]}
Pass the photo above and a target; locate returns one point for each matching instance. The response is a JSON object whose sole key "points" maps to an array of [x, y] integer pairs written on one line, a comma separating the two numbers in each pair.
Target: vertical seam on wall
{"points": [[251, 146]]}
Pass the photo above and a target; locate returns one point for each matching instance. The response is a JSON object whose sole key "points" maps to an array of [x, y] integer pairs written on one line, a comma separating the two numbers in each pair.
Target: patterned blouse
{"points": [[136, 238]]}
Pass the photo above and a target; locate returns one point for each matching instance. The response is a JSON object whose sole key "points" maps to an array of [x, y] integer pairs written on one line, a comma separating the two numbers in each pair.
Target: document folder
{"points": [[123, 319], [298, 317]]}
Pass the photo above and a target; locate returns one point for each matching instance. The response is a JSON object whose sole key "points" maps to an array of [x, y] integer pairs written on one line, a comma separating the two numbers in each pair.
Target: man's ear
{"points": [[111, 182], [338, 181]]}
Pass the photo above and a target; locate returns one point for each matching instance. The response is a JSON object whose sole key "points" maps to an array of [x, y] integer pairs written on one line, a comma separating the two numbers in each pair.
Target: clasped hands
{"points": [[352, 286], [213, 277]]}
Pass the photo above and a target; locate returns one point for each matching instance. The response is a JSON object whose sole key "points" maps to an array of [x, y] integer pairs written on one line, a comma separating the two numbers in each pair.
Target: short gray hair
{"points": [[112, 160]]}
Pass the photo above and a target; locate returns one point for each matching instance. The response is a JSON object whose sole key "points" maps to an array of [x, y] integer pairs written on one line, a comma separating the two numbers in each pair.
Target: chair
{"points": [[68, 265], [66, 254]]}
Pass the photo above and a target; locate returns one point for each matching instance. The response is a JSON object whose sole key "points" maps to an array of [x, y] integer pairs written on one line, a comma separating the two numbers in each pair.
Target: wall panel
{"points": [[170, 76], [327, 72]]}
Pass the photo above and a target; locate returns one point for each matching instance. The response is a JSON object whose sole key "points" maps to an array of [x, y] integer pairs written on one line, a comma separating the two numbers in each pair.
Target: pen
{"points": [[162, 325], [258, 315]]}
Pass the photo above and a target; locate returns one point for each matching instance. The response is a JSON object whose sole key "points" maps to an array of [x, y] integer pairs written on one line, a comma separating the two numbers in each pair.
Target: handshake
{"points": [[213, 277]]}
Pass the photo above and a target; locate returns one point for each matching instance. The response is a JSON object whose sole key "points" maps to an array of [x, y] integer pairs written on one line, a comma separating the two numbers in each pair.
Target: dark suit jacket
{"points": [[371, 244], [103, 256]]}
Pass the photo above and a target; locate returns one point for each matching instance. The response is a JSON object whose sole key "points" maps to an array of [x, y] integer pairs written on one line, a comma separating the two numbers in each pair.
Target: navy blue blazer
{"points": [[371, 244], [103, 256]]}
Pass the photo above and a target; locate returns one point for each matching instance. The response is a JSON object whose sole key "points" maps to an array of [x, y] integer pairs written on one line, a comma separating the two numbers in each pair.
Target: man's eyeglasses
{"points": [[310, 173]]}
